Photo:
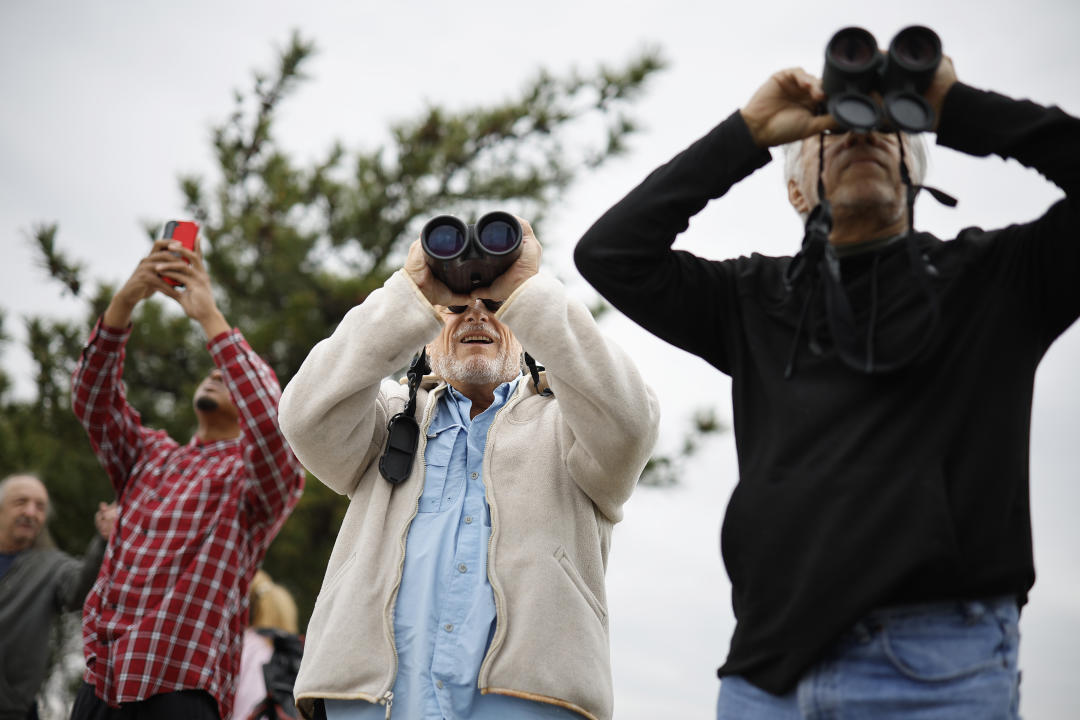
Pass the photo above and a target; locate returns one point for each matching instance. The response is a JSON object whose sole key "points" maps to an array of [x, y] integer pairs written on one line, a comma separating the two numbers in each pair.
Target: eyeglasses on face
{"points": [[491, 305]]}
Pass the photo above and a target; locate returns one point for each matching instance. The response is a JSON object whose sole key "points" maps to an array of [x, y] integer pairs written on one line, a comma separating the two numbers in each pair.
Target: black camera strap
{"points": [[534, 373], [403, 431], [818, 254], [913, 190]]}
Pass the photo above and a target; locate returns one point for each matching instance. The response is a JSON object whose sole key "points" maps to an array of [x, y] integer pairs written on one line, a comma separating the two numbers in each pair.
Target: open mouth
{"points": [[471, 339]]}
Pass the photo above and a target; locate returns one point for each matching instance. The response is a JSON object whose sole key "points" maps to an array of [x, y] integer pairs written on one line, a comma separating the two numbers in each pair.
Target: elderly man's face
{"points": [[23, 509], [862, 173], [474, 348]]}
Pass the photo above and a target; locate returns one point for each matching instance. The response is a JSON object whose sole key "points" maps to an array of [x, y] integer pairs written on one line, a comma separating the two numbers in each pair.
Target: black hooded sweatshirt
{"points": [[859, 489]]}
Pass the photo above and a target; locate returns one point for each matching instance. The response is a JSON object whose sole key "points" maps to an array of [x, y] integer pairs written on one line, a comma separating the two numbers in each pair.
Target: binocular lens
{"points": [[445, 240], [855, 111], [916, 48], [909, 112], [852, 50], [498, 236]]}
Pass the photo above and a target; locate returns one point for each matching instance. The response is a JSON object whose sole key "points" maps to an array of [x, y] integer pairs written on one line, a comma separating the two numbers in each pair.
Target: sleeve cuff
{"points": [[419, 295], [537, 279], [107, 338], [962, 125]]}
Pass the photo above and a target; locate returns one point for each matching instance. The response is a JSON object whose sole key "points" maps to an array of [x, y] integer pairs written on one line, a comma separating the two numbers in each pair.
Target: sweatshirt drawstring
{"points": [[818, 260], [873, 314], [793, 353]]}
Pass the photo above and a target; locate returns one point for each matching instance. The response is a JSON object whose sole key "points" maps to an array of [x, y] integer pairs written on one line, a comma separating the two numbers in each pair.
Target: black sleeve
{"points": [[626, 255], [1040, 259]]}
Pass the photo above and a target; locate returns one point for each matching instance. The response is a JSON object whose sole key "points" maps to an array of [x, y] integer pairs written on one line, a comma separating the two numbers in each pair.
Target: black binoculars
{"points": [[471, 256], [855, 67]]}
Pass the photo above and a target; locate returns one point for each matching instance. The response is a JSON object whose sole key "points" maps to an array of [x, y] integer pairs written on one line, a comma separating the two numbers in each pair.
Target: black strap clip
{"points": [[403, 431]]}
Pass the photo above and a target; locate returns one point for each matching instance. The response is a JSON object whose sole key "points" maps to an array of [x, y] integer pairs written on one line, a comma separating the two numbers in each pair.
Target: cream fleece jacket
{"points": [[557, 472]]}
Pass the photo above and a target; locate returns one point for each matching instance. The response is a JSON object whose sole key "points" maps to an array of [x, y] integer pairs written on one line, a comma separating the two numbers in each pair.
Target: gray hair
{"points": [[6, 483], [916, 156]]}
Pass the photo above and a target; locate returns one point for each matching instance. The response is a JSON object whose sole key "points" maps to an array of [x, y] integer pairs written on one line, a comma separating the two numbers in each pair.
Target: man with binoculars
{"points": [[467, 579], [879, 538]]}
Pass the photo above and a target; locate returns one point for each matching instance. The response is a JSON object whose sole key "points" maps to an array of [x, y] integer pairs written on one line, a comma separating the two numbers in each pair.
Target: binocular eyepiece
{"points": [[465, 257], [855, 68]]}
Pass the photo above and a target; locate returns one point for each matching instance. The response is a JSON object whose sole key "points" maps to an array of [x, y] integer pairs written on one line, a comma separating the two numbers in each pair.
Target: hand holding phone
{"points": [[184, 232]]}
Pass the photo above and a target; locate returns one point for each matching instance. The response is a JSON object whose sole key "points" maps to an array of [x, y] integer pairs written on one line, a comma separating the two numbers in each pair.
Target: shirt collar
{"points": [[502, 393], [866, 246], [216, 445]]}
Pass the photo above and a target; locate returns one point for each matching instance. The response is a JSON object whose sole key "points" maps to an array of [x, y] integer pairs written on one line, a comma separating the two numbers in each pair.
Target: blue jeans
{"points": [[936, 661]]}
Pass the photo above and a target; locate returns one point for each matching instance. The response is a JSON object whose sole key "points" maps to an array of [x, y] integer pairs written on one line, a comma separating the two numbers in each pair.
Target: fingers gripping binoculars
{"points": [[855, 68], [465, 257]]}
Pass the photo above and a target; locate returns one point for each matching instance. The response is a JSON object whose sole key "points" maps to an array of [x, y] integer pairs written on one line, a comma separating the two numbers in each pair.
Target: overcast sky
{"points": [[104, 104]]}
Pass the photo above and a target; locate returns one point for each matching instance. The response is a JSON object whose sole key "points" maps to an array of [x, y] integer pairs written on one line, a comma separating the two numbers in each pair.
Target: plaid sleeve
{"points": [[97, 397], [275, 476]]}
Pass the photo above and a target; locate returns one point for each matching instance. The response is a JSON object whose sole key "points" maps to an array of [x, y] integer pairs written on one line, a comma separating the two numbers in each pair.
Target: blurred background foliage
{"points": [[291, 247]]}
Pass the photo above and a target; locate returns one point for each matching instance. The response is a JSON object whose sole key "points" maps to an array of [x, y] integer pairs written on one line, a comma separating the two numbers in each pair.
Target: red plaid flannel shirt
{"points": [[169, 606]]}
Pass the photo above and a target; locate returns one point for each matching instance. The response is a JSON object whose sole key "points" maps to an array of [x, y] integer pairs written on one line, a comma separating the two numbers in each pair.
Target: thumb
{"points": [[820, 123]]}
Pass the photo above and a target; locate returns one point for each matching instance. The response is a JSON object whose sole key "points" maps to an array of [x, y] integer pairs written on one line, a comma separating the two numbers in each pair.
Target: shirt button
{"points": [[462, 567], [438, 684], [468, 519], [475, 475], [448, 627]]}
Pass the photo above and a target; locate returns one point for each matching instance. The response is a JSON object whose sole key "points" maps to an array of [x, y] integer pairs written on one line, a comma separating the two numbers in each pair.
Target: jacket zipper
{"points": [[500, 630], [388, 696]]}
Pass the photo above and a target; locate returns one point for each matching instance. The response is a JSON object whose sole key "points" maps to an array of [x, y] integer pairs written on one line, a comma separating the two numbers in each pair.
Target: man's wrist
{"points": [[118, 313], [213, 324], [753, 125]]}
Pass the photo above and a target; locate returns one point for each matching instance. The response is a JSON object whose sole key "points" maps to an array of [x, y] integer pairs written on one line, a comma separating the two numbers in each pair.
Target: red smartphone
{"points": [[185, 232]]}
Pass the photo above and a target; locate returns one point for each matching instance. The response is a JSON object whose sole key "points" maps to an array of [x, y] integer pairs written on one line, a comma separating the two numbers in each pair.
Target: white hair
{"points": [[6, 483], [44, 539], [915, 156]]}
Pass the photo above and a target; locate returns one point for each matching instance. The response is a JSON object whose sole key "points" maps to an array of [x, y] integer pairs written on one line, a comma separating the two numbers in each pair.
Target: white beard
{"points": [[477, 369]]}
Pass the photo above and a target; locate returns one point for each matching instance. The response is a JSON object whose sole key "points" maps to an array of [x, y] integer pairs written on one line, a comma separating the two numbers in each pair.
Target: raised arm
{"points": [[627, 256], [611, 416], [275, 476], [332, 411], [77, 576], [97, 393], [1038, 261]]}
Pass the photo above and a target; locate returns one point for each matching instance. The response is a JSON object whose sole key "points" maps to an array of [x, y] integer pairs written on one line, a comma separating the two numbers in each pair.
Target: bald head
{"points": [[24, 505]]}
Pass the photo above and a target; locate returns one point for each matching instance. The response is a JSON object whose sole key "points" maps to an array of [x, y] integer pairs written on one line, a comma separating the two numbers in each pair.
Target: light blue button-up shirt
{"points": [[445, 612]]}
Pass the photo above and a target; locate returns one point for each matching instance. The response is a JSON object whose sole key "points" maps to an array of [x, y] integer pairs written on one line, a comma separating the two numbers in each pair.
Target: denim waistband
{"points": [[965, 607], [970, 610]]}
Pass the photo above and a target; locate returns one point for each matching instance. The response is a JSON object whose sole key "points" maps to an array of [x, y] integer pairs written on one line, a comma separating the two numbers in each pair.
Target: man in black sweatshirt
{"points": [[879, 539]]}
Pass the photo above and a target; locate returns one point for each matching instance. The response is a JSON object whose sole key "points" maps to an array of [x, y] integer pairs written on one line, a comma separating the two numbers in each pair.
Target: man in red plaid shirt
{"points": [[163, 624]]}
